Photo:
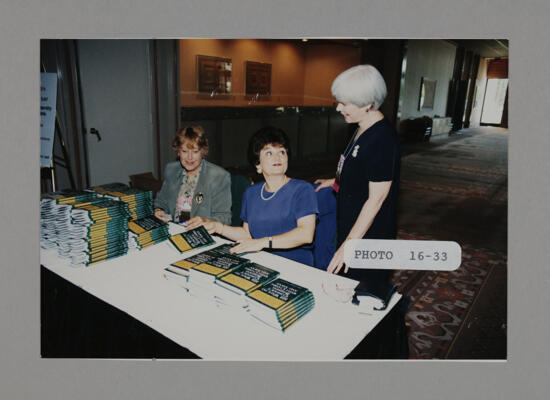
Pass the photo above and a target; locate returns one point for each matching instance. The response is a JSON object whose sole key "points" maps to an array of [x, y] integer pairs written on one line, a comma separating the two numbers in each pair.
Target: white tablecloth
{"points": [[135, 284]]}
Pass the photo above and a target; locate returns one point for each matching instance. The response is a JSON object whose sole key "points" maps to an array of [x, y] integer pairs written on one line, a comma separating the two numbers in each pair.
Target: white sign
{"points": [[48, 97], [402, 254]]}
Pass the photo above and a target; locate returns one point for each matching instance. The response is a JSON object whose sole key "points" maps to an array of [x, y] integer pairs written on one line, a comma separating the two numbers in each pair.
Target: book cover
{"points": [[223, 248], [219, 266], [191, 239], [278, 293], [67, 196], [190, 262], [248, 277], [145, 224], [280, 303]]}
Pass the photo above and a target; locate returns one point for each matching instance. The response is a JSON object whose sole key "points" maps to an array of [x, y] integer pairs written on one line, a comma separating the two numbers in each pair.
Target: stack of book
{"points": [[146, 231], [230, 280], [241, 281], [191, 239], [140, 202], [55, 208], [68, 196], [94, 231], [280, 303], [180, 271], [203, 275]]}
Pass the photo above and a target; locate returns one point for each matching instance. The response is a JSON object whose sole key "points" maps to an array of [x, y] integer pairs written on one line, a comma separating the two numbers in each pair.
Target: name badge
{"points": [[199, 197]]}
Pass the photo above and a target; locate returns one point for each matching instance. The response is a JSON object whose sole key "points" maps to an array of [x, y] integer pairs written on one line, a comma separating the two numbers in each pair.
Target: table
{"points": [[135, 285]]}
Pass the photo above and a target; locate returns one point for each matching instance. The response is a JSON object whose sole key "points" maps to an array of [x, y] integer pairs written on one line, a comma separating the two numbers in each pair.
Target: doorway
{"points": [[494, 101], [116, 92]]}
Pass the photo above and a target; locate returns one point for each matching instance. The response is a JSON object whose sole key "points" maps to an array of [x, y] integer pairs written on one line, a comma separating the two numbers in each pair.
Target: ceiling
{"points": [[488, 48]]}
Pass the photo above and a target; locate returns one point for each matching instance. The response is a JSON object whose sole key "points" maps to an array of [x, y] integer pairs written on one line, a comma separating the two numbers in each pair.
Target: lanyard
{"points": [[344, 155]]}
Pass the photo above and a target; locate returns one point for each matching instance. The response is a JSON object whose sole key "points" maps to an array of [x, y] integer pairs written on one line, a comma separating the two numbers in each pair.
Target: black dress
{"points": [[374, 157]]}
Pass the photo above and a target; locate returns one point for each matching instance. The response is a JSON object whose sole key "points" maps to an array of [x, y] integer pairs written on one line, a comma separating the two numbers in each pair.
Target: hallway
{"points": [[455, 188]]}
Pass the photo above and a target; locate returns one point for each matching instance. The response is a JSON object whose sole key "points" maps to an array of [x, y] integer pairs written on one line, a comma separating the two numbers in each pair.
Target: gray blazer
{"points": [[212, 198]]}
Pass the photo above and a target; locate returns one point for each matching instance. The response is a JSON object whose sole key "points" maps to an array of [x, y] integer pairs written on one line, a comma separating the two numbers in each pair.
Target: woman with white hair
{"points": [[367, 177], [367, 183]]}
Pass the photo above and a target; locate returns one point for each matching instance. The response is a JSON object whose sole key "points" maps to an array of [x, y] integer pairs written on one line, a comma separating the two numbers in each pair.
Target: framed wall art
{"points": [[258, 78], [213, 75]]}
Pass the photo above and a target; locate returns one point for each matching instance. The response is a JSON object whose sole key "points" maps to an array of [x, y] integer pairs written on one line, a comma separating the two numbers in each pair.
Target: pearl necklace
{"points": [[274, 193]]}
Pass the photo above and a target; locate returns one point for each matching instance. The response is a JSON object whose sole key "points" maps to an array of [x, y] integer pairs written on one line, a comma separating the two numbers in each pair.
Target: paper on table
{"points": [[368, 304]]}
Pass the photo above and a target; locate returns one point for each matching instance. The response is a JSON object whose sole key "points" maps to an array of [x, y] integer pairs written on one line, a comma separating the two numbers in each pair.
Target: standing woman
{"points": [[193, 186], [367, 177], [367, 183], [278, 214]]}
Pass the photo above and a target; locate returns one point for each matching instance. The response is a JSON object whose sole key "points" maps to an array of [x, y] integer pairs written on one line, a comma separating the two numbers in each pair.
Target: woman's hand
{"points": [[324, 183], [160, 215], [337, 261], [249, 245], [209, 225]]}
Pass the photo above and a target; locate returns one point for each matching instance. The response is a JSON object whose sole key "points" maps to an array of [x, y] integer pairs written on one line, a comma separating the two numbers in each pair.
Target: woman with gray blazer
{"points": [[193, 186]]}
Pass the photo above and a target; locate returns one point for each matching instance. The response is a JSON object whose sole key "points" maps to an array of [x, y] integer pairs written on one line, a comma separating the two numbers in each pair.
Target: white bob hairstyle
{"points": [[361, 85]]}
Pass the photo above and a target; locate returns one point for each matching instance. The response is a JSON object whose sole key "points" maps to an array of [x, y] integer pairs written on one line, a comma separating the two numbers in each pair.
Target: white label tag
{"points": [[402, 254]]}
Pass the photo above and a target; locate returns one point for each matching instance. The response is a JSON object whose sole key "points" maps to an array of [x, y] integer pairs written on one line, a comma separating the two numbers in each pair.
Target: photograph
{"points": [[198, 195]]}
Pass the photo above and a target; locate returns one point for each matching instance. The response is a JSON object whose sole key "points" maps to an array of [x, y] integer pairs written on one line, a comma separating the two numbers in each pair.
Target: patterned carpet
{"points": [[453, 188], [457, 190], [440, 301]]}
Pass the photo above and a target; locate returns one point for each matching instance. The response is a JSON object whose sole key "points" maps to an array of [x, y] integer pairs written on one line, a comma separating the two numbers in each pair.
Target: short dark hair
{"points": [[263, 137]]}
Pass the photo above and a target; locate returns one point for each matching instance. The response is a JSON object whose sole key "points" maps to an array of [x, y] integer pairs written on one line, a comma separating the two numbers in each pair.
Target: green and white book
{"points": [[189, 262], [146, 224], [140, 202], [280, 303], [224, 249], [201, 270], [101, 210], [191, 239], [55, 213], [146, 231], [243, 280], [68, 196], [91, 231], [217, 267]]}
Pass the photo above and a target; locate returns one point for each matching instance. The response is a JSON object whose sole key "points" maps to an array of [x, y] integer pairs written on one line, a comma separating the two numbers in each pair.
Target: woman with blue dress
{"points": [[278, 214]]}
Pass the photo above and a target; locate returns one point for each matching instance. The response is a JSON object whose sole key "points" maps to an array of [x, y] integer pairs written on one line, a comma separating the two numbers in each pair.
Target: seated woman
{"points": [[193, 186], [278, 214]]}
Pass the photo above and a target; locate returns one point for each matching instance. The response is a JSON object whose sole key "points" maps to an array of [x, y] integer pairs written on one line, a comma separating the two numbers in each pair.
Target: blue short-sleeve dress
{"points": [[280, 213]]}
